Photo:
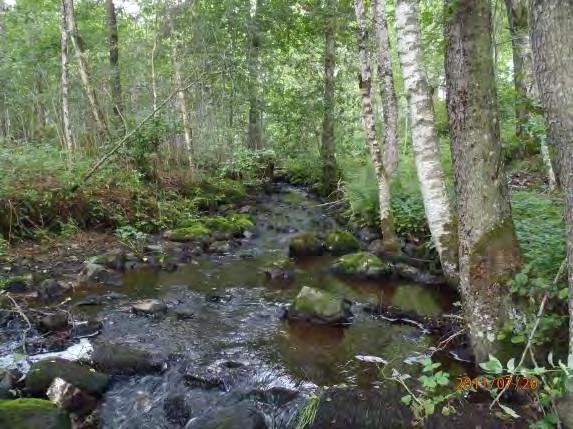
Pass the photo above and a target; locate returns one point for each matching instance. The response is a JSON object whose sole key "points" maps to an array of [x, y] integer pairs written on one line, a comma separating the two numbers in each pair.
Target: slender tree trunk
{"points": [[95, 107], [255, 128], [386, 221], [552, 44], [489, 254], [66, 127], [525, 87], [153, 77], [329, 170], [187, 131], [386, 82], [115, 76], [441, 219]]}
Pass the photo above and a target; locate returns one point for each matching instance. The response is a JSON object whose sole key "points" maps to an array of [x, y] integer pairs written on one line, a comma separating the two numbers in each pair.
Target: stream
{"points": [[234, 358]]}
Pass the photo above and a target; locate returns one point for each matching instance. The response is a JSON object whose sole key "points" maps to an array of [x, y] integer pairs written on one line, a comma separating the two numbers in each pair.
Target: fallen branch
{"points": [[119, 144], [19, 310]]}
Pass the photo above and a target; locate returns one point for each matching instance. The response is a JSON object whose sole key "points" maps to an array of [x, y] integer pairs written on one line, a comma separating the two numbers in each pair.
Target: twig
{"points": [[531, 333], [445, 342], [21, 313]]}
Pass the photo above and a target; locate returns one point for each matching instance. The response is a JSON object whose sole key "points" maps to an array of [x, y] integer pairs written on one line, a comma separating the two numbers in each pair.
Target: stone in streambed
{"points": [[124, 359], [50, 289], [149, 307], [95, 273], [55, 321], [306, 244], [281, 269], [31, 413], [362, 265], [42, 373], [339, 242], [318, 306], [238, 416], [417, 275], [68, 397]]}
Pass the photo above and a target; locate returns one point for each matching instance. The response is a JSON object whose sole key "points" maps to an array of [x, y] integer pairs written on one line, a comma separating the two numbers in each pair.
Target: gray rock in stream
{"points": [[124, 359], [239, 416], [95, 273], [149, 307]]}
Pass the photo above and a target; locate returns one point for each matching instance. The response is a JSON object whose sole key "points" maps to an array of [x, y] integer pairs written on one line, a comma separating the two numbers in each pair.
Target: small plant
{"points": [[3, 246], [133, 239], [431, 392], [69, 228], [308, 413]]}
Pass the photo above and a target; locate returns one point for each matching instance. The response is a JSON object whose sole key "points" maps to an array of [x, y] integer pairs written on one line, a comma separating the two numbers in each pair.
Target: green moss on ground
{"points": [[340, 242], [31, 413]]}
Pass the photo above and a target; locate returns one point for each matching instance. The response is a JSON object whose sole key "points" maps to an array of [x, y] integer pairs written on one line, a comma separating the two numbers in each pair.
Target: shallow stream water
{"points": [[237, 337]]}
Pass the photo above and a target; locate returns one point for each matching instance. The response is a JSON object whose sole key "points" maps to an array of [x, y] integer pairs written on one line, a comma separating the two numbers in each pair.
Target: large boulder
{"points": [[43, 373], [31, 413], [239, 416], [339, 242], [318, 306], [362, 265], [124, 359], [306, 244]]}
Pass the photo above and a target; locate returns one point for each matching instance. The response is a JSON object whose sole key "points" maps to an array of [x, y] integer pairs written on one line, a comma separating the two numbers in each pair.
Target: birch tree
{"points": [[182, 101], [525, 87], [386, 221], [386, 83], [255, 127], [488, 252], [441, 219], [83, 68], [327, 148], [66, 127], [551, 27]]}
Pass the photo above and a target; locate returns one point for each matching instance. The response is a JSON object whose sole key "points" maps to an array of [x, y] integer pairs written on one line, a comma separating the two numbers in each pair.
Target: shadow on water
{"points": [[240, 339]]}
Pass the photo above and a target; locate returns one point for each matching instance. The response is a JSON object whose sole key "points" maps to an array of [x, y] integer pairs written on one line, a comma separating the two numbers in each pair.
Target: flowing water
{"points": [[237, 341]]}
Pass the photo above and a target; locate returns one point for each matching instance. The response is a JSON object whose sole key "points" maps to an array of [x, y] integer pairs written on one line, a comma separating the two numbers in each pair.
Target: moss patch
{"points": [[362, 264], [340, 242], [195, 232], [32, 413], [306, 244]]}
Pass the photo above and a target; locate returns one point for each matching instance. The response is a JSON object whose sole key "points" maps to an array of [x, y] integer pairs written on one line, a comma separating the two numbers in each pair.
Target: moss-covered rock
{"points": [[281, 269], [193, 232], [42, 374], [362, 265], [17, 284], [30, 413], [339, 242], [305, 244], [318, 306]]}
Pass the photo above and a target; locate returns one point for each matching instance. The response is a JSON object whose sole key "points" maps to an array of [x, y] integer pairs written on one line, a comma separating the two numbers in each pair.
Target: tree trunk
{"points": [[255, 128], [441, 219], [552, 45], [525, 86], [329, 170], [95, 107], [386, 221], [66, 127], [187, 131], [489, 254], [115, 76], [386, 82]]}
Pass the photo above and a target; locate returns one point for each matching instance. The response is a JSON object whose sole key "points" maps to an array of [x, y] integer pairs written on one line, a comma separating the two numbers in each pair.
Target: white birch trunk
{"points": [[67, 130], [386, 221], [424, 139], [83, 69], [386, 82]]}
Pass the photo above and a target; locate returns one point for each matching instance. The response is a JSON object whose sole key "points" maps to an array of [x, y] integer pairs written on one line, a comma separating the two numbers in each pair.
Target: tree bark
{"points": [[329, 170], [525, 87], [95, 107], [187, 130], [255, 127], [552, 43], [489, 254], [67, 129], [439, 213], [115, 75], [386, 221], [386, 82]]}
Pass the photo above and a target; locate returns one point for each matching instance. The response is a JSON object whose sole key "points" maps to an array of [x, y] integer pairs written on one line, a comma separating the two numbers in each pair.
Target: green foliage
{"points": [[308, 414]]}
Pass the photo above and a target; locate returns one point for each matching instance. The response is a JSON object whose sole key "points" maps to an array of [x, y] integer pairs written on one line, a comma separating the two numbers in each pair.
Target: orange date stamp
{"points": [[466, 383]]}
